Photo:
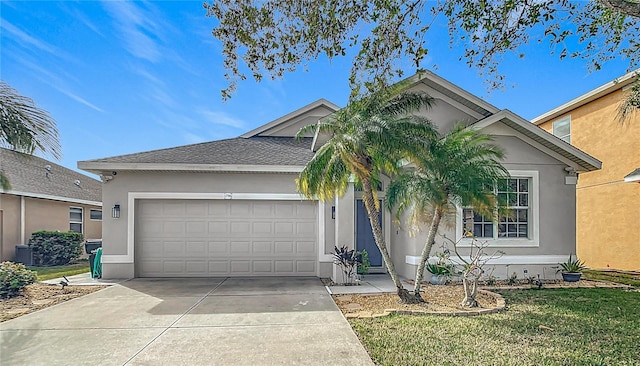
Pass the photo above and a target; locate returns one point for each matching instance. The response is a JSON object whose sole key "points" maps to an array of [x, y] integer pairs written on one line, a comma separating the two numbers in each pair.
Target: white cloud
{"points": [[221, 118], [138, 29], [27, 39]]}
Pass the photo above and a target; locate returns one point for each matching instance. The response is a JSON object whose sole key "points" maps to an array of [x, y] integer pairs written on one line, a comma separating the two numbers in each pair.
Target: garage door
{"points": [[201, 238]]}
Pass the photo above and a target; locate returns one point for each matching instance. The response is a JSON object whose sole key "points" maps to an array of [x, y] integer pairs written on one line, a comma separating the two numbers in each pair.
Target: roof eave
{"points": [[584, 161], [98, 167], [54, 198], [297, 112], [588, 97]]}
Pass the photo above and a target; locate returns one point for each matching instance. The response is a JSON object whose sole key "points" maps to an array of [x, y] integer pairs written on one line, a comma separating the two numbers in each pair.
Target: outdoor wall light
{"points": [[115, 211]]}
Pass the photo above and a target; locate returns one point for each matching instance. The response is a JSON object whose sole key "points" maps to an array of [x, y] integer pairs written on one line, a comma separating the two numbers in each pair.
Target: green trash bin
{"points": [[95, 263]]}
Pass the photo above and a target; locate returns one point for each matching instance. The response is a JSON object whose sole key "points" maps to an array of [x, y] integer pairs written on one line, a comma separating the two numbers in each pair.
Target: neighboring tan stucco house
{"points": [[45, 196], [608, 200], [230, 207]]}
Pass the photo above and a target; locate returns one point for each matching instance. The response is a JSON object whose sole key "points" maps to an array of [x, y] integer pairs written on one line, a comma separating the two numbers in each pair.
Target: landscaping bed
{"points": [[39, 296]]}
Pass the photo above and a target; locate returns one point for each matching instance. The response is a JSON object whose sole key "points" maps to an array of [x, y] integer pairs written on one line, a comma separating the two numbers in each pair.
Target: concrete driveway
{"points": [[212, 321]]}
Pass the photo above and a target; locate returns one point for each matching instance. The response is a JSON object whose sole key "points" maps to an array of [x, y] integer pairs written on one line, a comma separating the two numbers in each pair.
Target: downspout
{"points": [[22, 219]]}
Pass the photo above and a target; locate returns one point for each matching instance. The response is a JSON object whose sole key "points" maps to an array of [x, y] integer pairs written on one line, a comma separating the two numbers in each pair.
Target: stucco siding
{"points": [[40, 214], [555, 216], [608, 208], [10, 206]]}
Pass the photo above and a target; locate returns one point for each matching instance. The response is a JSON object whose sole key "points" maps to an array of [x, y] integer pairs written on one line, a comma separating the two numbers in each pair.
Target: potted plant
{"points": [[441, 270], [572, 269]]}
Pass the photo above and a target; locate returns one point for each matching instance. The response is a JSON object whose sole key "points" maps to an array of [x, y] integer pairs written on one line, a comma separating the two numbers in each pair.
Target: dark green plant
{"points": [[348, 260], [13, 278], [513, 279], [363, 267], [573, 265], [53, 248], [491, 281]]}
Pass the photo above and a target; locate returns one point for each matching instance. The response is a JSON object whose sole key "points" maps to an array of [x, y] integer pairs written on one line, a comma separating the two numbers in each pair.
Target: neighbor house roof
{"points": [[236, 154], [588, 97], [33, 176]]}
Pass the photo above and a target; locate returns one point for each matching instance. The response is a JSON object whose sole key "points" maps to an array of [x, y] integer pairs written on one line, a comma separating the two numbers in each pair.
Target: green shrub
{"points": [[53, 248], [14, 277]]}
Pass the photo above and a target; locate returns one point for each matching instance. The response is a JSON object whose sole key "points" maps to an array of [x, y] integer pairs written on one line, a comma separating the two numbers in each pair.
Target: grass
{"points": [[590, 327], [47, 273], [623, 278]]}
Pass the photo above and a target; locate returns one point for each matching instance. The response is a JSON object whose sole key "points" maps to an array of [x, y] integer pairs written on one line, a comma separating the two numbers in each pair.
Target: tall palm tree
{"points": [[461, 169], [24, 127], [368, 138]]}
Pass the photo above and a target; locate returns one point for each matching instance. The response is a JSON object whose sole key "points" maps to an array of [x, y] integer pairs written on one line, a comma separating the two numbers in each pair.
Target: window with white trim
{"points": [[514, 223], [562, 128], [95, 215], [75, 219]]}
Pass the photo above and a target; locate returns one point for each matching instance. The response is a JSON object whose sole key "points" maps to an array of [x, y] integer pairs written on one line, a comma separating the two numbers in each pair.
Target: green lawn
{"points": [[590, 327], [47, 273], [624, 278]]}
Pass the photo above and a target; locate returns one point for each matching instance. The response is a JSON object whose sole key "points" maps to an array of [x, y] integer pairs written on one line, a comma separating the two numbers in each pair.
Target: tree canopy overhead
{"points": [[273, 37]]}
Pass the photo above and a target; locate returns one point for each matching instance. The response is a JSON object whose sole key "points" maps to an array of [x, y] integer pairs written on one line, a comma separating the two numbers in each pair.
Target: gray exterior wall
{"points": [[556, 218], [116, 191]]}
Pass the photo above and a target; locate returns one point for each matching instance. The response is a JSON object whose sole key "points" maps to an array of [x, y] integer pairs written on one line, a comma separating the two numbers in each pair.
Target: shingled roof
{"points": [[37, 177], [286, 151]]}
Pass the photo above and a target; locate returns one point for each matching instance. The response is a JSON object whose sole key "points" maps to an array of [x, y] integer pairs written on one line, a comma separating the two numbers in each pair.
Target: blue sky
{"points": [[123, 77]]}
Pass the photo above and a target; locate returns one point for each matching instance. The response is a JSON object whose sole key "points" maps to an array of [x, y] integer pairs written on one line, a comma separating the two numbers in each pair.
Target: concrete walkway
{"points": [[212, 321], [370, 284]]}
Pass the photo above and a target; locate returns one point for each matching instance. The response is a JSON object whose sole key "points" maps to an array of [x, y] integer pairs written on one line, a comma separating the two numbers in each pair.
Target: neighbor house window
{"points": [[517, 222], [75, 219], [95, 214], [562, 128]]}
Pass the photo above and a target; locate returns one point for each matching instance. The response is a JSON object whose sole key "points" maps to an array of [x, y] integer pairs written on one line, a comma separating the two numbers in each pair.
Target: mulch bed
{"points": [[39, 296]]}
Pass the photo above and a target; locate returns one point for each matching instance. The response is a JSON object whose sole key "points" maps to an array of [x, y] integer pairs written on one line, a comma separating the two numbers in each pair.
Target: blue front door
{"points": [[364, 236]]}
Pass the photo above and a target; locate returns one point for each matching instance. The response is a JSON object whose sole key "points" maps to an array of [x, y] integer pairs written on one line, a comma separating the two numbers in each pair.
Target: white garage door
{"points": [[201, 238]]}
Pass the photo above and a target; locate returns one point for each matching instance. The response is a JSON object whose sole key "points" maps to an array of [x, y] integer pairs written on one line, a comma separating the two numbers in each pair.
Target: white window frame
{"points": [[534, 217], [567, 137], [91, 216], [81, 222]]}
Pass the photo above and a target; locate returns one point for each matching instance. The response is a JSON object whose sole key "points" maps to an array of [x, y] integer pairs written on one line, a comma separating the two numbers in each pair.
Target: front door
{"points": [[364, 237]]}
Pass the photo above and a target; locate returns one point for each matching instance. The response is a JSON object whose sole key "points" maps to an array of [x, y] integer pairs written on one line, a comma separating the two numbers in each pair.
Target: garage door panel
{"points": [[219, 228], [182, 238], [305, 212], [173, 209], [262, 247], [262, 209], [283, 247], [218, 208], [173, 227], [218, 247], [305, 247], [196, 227], [196, 208], [240, 227], [262, 228], [240, 209]]}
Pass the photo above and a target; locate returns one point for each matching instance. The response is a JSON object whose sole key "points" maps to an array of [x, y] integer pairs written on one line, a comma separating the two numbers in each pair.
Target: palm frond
{"points": [[24, 127]]}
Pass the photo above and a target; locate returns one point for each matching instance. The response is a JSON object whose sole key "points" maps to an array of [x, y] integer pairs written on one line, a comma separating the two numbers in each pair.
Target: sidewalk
{"points": [[83, 279]]}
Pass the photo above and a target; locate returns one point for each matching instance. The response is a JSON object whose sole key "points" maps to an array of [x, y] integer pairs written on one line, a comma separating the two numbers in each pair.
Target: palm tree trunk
{"points": [[431, 239], [370, 206]]}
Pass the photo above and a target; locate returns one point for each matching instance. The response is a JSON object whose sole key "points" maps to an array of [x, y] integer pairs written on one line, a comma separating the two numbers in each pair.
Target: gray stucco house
{"points": [[230, 207]]}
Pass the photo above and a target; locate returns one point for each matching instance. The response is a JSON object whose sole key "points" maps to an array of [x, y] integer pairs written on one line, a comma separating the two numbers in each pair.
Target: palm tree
{"points": [[24, 127], [461, 169], [368, 138]]}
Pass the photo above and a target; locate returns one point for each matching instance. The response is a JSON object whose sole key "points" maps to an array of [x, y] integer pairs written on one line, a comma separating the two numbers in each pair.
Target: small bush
{"points": [[13, 278], [53, 248]]}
